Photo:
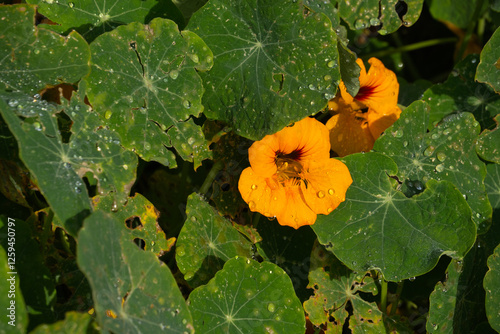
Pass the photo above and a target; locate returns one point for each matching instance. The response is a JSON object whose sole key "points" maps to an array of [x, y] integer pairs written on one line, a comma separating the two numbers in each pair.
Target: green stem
{"points": [[398, 294], [383, 296], [210, 177], [410, 47]]}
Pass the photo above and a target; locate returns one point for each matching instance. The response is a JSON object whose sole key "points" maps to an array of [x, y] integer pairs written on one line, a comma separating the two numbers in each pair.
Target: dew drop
{"points": [[173, 74], [13, 103], [327, 77], [251, 205], [440, 168], [435, 135], [37, 126], [71, 5], [398, 133], [66, 165], [107, 114], [329, 210], [147, 146], [331, 192], [374, 21], [186, 104], [311, 87], [331, 64], [441, 156], [254, 186], [194, 58], [191, 141], [411, 279], [429, 151], [320, 194], [359, 24], [405, 143], [271, 307]]}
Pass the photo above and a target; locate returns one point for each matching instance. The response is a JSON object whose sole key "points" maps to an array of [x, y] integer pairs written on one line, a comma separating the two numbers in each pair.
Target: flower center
{"points": [[288, 166]]}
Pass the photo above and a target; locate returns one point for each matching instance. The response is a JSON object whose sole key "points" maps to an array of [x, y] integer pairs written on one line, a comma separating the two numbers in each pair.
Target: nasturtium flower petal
{"points": [[289, 173], [349, 134], [358, 121], [263, 195], [327, 183]]}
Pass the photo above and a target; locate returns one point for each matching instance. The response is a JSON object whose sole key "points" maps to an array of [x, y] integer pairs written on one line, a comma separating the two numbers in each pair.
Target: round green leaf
{"points": [[59, 164], [488, 144], [334, 286], [460, 93], [33, 57], [141, 217], [488, 69], [492, 183], [460, 13], [145, 86], [491, 283], [92, 18], [275, 63], [391, 14], [133, 292], [447, 152], [206, 241], [377, 227], [247, 297]]}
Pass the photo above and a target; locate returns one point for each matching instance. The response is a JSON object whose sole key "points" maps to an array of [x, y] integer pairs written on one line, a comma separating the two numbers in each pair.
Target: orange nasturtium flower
{"points": [[292, 176], [361, 119]]}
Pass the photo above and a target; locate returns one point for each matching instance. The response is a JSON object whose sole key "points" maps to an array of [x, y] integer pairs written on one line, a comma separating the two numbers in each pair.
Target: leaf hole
{"points": [[140, 242], [401, 9]]}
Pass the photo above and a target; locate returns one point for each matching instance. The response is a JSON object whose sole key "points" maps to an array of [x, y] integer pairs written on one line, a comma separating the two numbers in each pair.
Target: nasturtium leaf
{"points": [[457, 304], [92, 18], [33, 57], [74, 323], [247, 297], [488, 144], [141, 217], [133, 292], [460, 93], [349, 69], [334, 286], [491, 284], [206, 241], [58, 166], [145, 86], [447, 152], [289, 248], [459, 13], [36, 281], [327, 7], [488, 69], [276, 62], [391, 14], [378, 227], [492, 183], [15, 316]]}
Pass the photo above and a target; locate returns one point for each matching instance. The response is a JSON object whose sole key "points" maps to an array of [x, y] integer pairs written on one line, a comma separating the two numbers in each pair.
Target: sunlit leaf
{"points": [[460, 93], [335, 286], [145, 86], [74, 323], [133, 292], [488, 144], [448, 152], [391, 14], [206, 242], [92, 18], [275, 62], [491, 283], [141, 217], [378, 227], [58, 166], [247, 297], [33, 57], [488, 69]]}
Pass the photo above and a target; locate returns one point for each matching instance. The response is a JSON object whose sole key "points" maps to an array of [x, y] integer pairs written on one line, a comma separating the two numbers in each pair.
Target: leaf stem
{"points": [[383, 296], [210, 177], [410, 47], [398, 294]]}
